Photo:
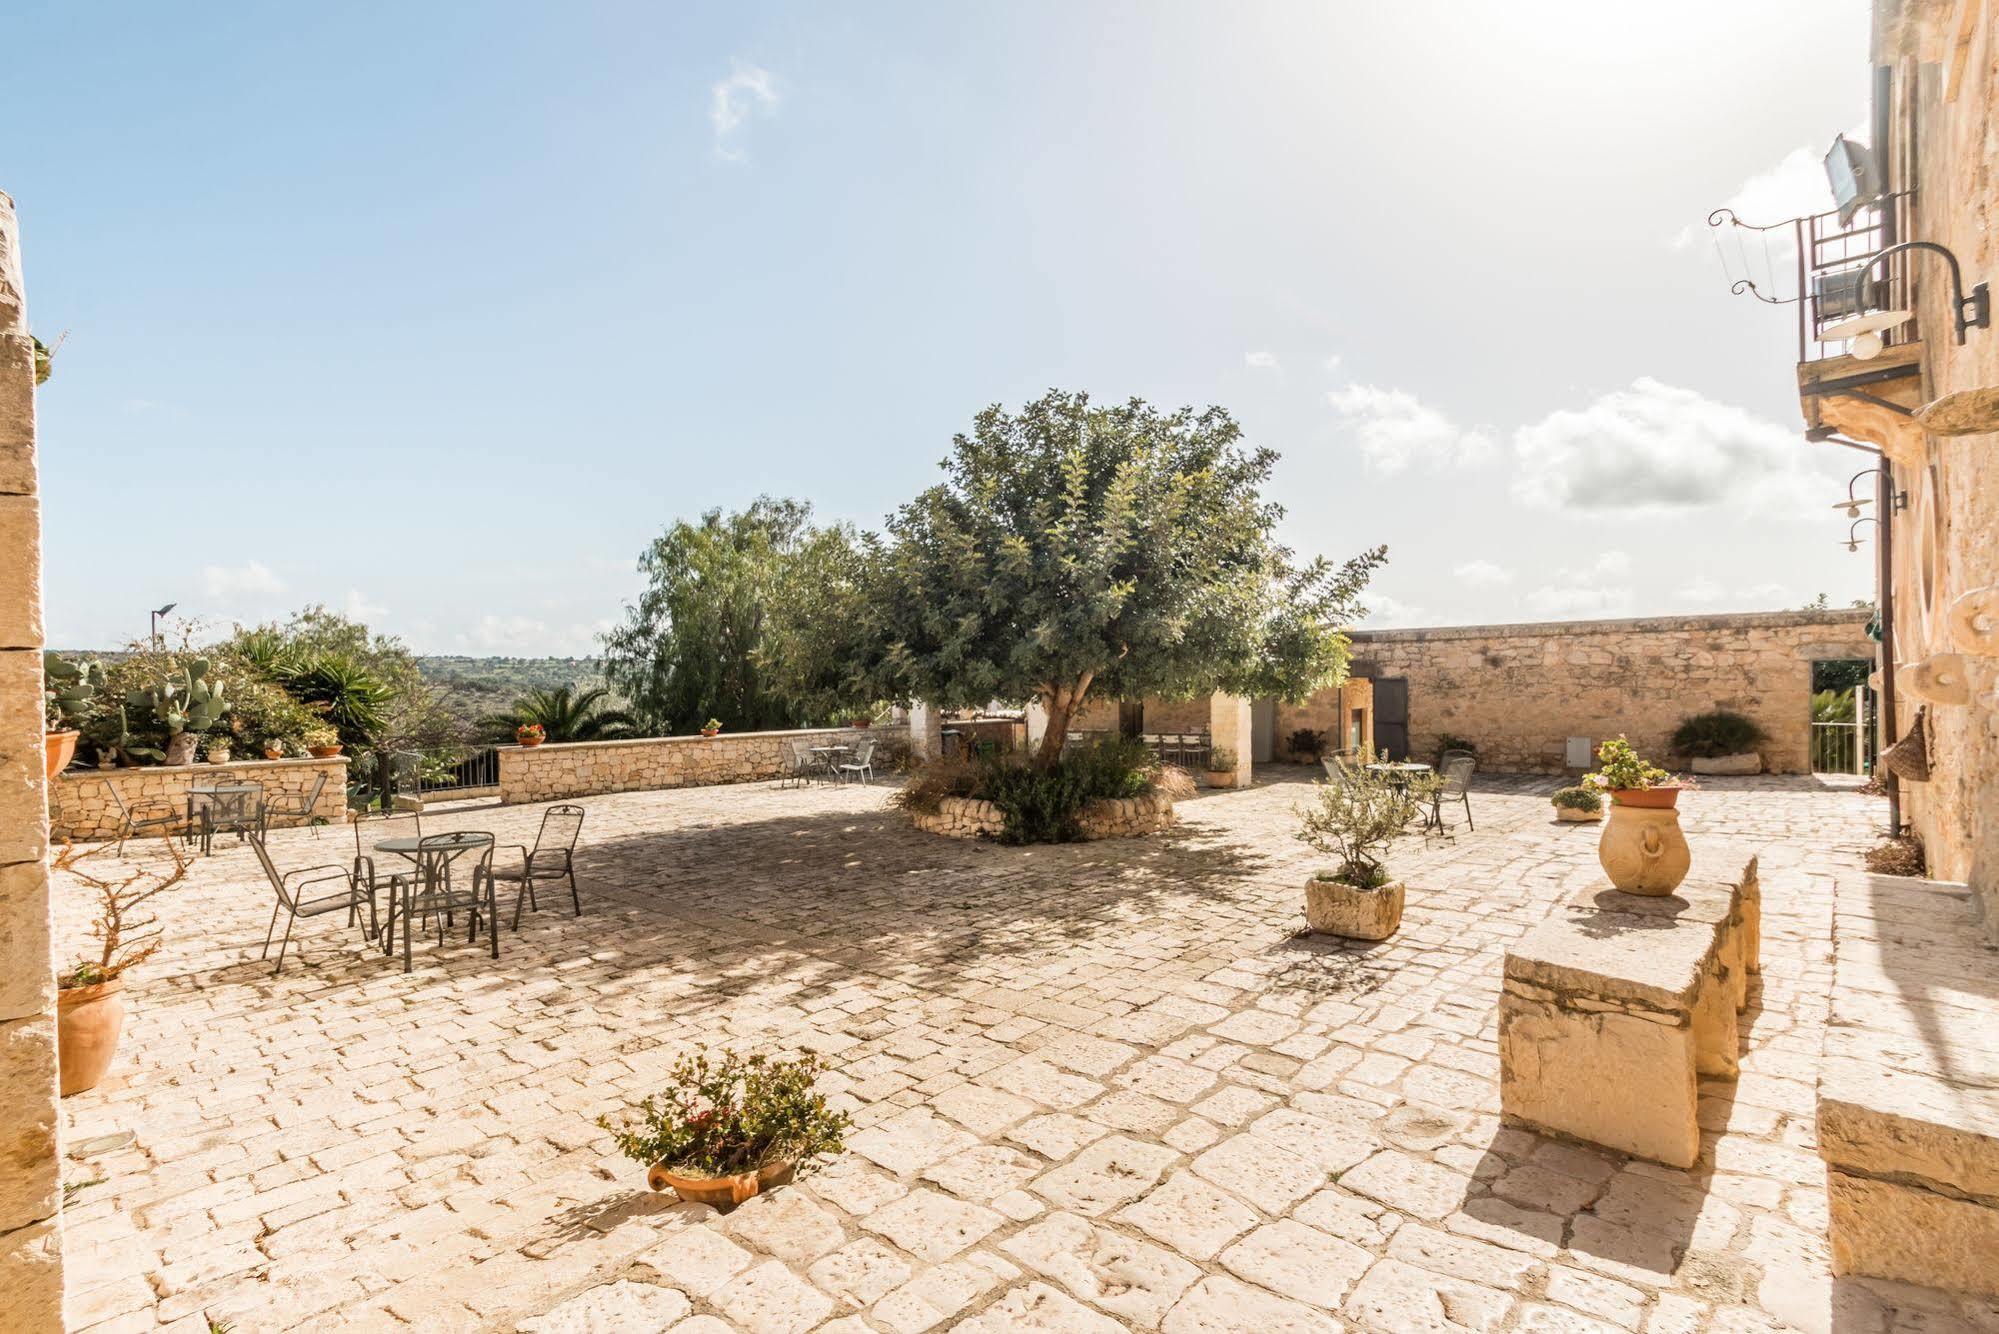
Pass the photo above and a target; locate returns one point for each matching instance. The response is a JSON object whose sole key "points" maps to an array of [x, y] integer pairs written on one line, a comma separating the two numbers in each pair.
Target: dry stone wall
{"points": [[1520, 691], [1113, 817], [81, 807], [587, 768]]}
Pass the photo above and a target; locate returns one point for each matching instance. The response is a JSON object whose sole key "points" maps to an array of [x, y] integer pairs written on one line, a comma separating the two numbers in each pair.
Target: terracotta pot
{"points": [[709, 733], [864, 722], [1335, 908], [180, 749], [532, 741], [61, 747], [88, 1022], [1646, 798], [274, 753], [1574, 816], [322, 752], [1643, 850], [722, 1192], [1221, 778]]}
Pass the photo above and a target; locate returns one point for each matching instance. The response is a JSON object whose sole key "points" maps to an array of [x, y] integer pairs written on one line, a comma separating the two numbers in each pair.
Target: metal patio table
{"points": [[223, 808], [430, 862], [1399, 773], [832, 756]]}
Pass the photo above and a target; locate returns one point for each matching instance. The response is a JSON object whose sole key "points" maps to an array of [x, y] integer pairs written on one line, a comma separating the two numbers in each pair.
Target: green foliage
{"points": [[69, 691], [180, 695], [1072, 549], [1717, 733], [1447, 742], [928, 785], [694, 643], [1038, 805], [1115, 767], [262, 714], [1221, 760], [1355, 819], [1307, 742], [1577, 799], [737, 1114], [563, 714], [1621, 769], [367, 686], [1841, 673], [1832, 706], [712, 725]]}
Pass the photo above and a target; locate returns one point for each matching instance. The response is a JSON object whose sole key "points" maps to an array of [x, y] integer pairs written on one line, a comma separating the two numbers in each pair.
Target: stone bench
{"points": [[1613, 1007], [1908, 1105]]}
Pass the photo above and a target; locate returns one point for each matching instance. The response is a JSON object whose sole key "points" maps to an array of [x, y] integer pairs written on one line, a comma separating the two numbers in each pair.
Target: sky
{"points": [[437, 314]]}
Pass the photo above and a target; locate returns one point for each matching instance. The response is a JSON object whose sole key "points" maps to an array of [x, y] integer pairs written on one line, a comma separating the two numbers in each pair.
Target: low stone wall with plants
{"points": [[1115, 817], [81, 808], [555, 770]]}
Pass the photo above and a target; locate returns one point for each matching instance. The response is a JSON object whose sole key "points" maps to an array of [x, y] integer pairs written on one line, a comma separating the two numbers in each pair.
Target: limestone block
{"points": [[23, 817], [21, 589], [29, 1182], [1881, 1229], [1747, 763], [27, 984], [1336, 909], [1621, 1080], [31, 1277], [17, 416]]}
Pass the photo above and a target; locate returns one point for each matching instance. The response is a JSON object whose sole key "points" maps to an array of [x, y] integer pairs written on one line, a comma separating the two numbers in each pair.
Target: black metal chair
{"points": [[298, 894], [439, 892], [553, 857], [297, 805], [1457, 767], [155, 816]]}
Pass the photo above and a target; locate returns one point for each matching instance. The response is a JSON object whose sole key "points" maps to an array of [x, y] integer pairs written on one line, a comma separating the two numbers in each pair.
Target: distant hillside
{"points": [[474, 688]]}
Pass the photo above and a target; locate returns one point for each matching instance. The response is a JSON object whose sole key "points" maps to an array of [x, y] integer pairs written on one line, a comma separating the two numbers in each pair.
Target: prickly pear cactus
{"points": [[70, 689]]}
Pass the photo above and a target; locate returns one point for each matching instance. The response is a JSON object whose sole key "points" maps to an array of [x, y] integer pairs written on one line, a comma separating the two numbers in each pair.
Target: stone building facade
{"points": [[1520, 693], [586, 768], [81, 806]]}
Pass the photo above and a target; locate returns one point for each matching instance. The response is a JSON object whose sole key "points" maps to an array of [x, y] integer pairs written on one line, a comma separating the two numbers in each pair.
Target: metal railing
{"points": [[1819, 264]]}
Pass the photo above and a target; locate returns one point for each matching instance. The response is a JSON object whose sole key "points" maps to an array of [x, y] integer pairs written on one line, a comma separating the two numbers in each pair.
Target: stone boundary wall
{"points": [[1520, 691], [1122, 817], [556, 770], [81, 809]]}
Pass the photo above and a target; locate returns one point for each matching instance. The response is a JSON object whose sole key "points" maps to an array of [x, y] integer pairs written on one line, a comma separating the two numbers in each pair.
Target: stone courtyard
{"points": [[1096, 1086]]}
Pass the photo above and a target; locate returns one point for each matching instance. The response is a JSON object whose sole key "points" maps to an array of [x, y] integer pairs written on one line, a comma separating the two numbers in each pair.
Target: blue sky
{"points": [[439, 312]]}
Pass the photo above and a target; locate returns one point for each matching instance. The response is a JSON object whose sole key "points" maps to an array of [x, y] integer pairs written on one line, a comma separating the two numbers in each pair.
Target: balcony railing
{"points": [[1816, 263]]}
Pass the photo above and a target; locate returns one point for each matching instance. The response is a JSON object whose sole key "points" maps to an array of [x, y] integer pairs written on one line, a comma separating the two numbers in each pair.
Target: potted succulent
{"points": [[68, 692], [1578, 804], [1643, 850], [185, 704], [90, 1000], [723, 1130], [712, 727], [1355, 820], [1721, 742], [1221, 767], [530, 734], [321, 741], [219, 748]]}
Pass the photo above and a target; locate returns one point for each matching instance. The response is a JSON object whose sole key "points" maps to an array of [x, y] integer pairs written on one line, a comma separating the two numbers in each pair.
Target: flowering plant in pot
{"points": [[217, 749], [711, 727], [1643, 849], [90, 1000], [1354, 820], [724, 1129], [1632, 780], [321, 741], [530, 734]]}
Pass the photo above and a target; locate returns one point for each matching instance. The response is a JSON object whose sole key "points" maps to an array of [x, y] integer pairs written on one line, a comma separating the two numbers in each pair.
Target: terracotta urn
{"points": [[88, 1022], [1643, 850], [1221, 778], [1335, 908], [61, 748], [722, 1192]]}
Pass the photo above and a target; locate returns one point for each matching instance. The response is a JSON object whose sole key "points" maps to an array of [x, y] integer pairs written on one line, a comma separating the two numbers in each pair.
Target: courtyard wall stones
{"points": [[81, 806], [1119, 817], [587, 768], [1520, 691]]}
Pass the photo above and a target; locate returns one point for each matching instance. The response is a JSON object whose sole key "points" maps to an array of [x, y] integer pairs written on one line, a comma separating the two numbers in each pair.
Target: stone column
{"points": [[1229, 726], [926, 731], [30, 1184]]}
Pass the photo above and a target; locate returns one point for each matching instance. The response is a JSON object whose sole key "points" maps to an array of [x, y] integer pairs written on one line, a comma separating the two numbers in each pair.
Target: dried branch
{"points": [[125, 934]]}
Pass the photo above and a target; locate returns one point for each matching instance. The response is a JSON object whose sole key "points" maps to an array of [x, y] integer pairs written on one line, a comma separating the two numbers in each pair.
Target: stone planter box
{"points": [[1573, 816], [81, 809], [1736, 765], [1335, 908], [1128, 817]]}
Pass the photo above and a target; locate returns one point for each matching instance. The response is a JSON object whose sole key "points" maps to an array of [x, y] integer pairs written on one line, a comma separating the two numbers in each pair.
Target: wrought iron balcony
{"points": [[1819, 264]]}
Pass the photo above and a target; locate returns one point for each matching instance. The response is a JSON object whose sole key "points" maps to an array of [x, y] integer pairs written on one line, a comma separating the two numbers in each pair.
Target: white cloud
{"points": [[749, 90], [1395, 431], [1701, 591], [1385, 612], [1596, 589], [1794, 187], [1261, 360], [510, 634], [357, 607], [1482, 574], [252, 579], [1333, 361], [1655, 448]]}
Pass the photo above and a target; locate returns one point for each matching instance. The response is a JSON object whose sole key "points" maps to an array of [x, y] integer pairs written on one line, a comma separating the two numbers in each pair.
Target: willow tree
{"points": [[1077, 551]]}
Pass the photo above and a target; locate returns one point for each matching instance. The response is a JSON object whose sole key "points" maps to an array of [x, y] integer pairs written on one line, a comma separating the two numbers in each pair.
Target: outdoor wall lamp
{"points": [[1967, 312], [1852, 543], [1852, 503], [156, 621]]}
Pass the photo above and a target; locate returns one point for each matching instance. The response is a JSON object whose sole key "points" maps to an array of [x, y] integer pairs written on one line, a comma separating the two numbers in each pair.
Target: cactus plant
{"points": [[69, 691], [185, 707]]}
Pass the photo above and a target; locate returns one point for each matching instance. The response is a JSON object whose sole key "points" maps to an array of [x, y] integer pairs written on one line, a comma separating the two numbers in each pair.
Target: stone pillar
{"points": [[1229, 726], [30, 1183], [926, 731]]}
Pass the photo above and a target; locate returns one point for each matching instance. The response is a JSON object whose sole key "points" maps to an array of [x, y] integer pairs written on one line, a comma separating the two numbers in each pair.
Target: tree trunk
{"points": [[1060, 708]]}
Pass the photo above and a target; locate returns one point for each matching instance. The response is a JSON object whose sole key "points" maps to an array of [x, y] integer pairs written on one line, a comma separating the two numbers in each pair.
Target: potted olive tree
{"points": [[1221, 767], [1643, 850], [1354, 820], [724, 1130]]}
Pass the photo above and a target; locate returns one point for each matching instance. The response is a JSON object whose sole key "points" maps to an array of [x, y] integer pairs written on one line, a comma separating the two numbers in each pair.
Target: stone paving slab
{"points": [[1105, 1086]]}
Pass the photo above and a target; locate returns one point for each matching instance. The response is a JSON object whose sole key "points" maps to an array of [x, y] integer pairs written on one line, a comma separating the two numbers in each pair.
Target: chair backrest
{"points": [[1458, 767], [270, 868], [312, 794], [801, 754], [1450, 755], [118, 799], [865, 752], [559, 828]]}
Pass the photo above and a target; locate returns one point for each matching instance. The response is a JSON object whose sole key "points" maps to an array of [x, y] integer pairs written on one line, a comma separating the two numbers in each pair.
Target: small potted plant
{"points": [[862, 722], [69, 690], [218, 749], [1577, 804], [530, 734], [274, 749], [724, 1130], [1721, 742], [712, 727], [1221, 767], [90, 1000], [321, 741], [1643, 849], [1355, 820]]}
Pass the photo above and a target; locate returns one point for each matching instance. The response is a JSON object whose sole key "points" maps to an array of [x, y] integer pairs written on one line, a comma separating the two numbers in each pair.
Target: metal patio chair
{"points": [[801, 765], [439, 892], [153, 816], [297, 805], [1457, 767], [238, 812], [862, 766], [300, 894], [553, 857]]}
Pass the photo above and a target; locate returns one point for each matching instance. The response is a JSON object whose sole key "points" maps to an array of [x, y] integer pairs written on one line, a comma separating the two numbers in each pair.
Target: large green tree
{"points": [[1074, 550], [691, 648]]}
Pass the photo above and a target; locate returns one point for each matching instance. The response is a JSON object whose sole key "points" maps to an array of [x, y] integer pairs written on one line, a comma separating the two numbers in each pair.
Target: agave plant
{"points": [[564, 714]]}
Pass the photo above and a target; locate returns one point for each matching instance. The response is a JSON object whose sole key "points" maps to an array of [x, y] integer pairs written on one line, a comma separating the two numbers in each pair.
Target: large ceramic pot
{"points": [[180, 748], [88, 1022], [723, 1192], [1643, 850], [61, 748], [1221, 778], [1335, 908]]}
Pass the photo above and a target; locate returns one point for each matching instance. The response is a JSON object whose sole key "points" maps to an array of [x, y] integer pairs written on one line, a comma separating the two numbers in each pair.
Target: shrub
{"points": [[1037, 805], [1449, 742], [1117, 766], [1355, 820], [1043, 805], [1577, 799], [1719, 733], [738, 1114], [930, 783], [1308, 742], [1221, 760]]}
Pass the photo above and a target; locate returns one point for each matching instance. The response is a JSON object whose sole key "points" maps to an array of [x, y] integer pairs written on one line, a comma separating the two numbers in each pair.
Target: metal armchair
{"points": [[1458, 767], [297, 805], [304, 893], [862, 766], [156, 816], [553, 857]]}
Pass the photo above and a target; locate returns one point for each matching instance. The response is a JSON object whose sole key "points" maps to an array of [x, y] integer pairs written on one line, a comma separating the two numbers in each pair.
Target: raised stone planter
{"points": [[961, 817], [1335, 908], [1737, 765], [1127, 817], [81, 808]]}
